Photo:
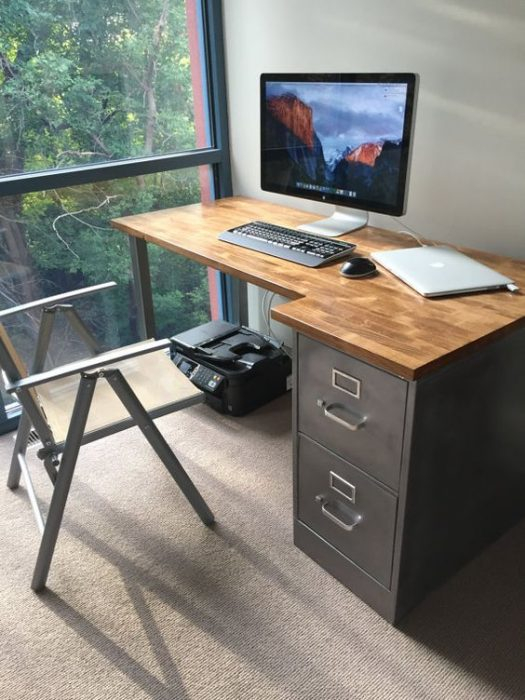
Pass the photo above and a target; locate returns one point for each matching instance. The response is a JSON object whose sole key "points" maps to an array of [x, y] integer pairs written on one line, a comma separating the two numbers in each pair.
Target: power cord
{"points": [[416, 237], [266, 310], [410, 232]]}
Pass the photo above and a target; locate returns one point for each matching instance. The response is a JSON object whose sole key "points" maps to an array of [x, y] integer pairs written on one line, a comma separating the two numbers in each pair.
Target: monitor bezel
{"points": [[396, 209]]}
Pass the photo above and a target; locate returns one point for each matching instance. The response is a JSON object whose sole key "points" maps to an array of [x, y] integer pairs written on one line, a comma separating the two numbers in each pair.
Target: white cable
{"points": [[268, 317], [264, 312], [410, 232]]}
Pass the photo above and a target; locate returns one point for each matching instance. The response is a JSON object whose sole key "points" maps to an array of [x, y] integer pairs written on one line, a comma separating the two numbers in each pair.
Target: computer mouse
{"points": [[358, 267]]}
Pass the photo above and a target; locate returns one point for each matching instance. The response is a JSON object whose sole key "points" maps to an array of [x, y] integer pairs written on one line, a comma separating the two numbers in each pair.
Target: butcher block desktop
{"points": [[408, 416]]}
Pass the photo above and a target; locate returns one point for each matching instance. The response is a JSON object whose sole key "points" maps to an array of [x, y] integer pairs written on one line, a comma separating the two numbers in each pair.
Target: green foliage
{"points": [[83, 82], [93, 81]]}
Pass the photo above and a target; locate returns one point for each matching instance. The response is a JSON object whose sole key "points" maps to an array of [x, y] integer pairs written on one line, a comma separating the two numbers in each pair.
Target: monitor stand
{"points": [[341, 221]]}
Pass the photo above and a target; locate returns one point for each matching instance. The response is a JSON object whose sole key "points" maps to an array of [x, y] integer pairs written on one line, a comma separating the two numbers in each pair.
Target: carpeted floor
{"points": [[145, 602]]}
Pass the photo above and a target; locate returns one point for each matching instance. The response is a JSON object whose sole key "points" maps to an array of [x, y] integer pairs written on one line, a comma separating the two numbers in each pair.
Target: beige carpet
{"points": [[145, 602]]}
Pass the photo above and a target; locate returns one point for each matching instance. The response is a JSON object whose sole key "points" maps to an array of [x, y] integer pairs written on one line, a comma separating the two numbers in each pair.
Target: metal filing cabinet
{"points": [[356, 410], [393, 479], [347, 508], [350, 420]]}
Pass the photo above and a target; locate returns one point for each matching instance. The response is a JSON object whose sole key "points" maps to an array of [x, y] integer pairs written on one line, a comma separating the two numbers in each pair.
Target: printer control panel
{"points": [[203, 377], [206, 378]]}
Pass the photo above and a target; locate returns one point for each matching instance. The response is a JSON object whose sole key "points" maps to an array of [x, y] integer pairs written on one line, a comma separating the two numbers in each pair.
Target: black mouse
{"points": [[358, 267]]}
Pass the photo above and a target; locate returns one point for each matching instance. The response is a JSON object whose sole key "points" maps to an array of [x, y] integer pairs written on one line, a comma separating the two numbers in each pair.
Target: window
{"points": [[107, 108]]}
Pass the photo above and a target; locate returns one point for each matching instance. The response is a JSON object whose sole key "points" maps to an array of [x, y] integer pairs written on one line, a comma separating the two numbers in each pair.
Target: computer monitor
{"points": [[341, 138]]}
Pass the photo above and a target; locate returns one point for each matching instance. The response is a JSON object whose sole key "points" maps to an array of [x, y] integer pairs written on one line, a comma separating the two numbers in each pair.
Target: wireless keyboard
{"points": [[287, 244]]}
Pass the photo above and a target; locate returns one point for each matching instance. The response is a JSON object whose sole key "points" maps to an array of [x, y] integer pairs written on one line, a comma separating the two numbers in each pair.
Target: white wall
{"points": [[468, 169]]}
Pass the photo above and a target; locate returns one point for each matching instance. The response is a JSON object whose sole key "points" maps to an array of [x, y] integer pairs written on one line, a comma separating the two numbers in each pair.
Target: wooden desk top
{"points": [[378, 319]]}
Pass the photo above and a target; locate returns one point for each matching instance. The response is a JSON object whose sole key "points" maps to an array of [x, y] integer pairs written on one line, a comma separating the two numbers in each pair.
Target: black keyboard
{"points": [[286, 243]]}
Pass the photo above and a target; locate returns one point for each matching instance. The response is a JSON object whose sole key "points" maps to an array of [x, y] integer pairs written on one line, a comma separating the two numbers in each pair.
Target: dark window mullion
{"points": [[111, 170], [218, 100]]}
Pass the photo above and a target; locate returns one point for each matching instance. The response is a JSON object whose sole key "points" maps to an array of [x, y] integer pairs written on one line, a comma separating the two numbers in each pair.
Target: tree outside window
{"points": [[89, 82]]}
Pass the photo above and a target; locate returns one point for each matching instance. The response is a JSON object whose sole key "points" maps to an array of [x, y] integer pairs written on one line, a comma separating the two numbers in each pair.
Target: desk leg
{"points": [[142, 285], [236, 299]]}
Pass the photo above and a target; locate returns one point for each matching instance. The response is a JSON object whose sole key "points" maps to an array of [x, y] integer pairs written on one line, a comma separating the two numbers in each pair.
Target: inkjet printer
{"points": [[238, 368]]}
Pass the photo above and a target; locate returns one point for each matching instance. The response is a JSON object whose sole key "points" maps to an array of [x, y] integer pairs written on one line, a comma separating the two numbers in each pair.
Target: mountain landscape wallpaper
{"points": [[343, 139]]}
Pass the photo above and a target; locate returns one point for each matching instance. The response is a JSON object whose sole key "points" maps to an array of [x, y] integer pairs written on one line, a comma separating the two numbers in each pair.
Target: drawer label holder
{"points": [[342, 486], [347, 383]]}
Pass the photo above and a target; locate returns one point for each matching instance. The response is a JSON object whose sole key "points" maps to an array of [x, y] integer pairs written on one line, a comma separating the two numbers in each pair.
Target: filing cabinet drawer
{"points": [[357, 410], [355, 514]]}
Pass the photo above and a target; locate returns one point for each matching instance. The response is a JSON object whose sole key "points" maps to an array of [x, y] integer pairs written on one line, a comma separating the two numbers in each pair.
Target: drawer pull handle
{"points": [[350, 425], [346, 526]]}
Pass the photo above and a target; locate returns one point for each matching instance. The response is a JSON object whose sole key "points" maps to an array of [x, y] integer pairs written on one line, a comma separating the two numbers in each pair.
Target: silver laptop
{"points": [[437, 270]]}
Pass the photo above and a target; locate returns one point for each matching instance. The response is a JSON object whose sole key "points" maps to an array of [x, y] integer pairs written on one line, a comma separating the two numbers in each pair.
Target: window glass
{"points": [[182, 294], [58, 240], [84, 82]]}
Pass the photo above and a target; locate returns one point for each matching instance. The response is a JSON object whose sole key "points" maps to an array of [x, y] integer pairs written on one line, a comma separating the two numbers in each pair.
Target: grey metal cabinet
{"points": [[356, 409], [347, 508], [394, 479]]}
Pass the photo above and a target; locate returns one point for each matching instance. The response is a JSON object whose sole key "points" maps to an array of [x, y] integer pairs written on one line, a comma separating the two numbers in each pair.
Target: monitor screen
{"points": [[338, 138]]}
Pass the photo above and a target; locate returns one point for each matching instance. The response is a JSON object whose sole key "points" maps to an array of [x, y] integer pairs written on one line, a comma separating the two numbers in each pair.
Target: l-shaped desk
{"points": [[409, 413]]}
